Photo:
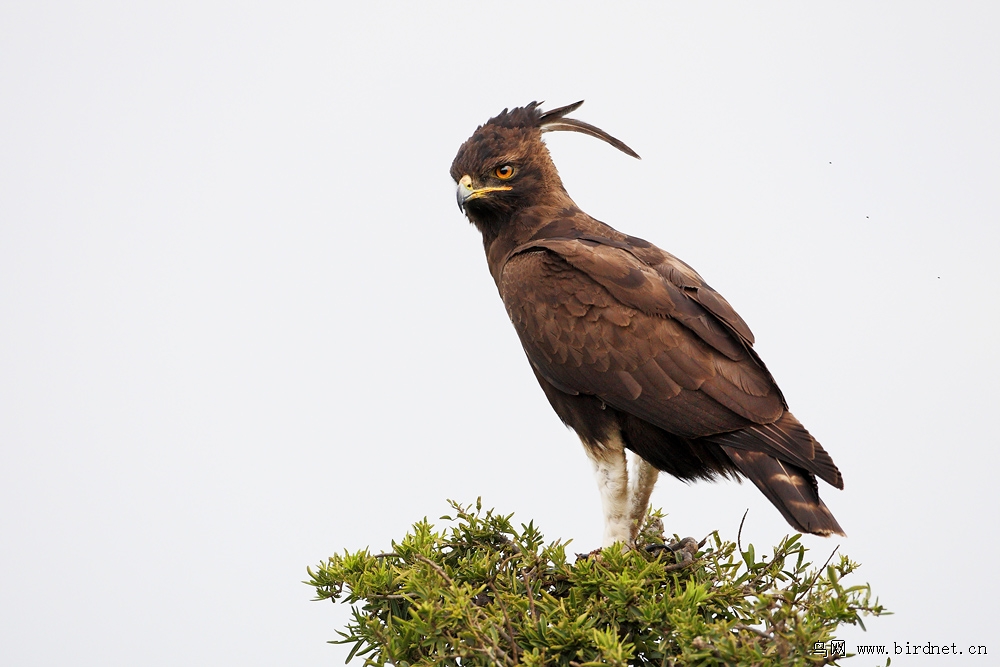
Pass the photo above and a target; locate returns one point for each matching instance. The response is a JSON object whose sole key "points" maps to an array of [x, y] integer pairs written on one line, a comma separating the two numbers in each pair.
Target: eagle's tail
{"points": [[789, 488], [783, 460]]}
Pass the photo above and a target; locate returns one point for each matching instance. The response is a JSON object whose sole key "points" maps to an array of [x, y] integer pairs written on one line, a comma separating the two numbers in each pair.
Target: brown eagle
{"points": [[632, 348]]}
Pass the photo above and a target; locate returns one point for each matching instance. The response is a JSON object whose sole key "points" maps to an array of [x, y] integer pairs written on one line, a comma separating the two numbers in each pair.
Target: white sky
{"points": [[243, 325]]}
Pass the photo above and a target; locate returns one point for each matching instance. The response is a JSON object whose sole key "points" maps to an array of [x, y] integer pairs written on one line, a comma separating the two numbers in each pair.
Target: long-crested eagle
{"points": [[632, 348]]}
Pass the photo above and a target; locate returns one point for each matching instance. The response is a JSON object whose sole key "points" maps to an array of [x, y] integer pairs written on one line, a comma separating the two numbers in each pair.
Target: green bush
{"points": [[484, 593]]}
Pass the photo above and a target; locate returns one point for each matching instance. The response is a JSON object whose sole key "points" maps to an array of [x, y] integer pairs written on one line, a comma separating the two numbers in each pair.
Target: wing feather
{"points": [[786, 439], [648, 364]]}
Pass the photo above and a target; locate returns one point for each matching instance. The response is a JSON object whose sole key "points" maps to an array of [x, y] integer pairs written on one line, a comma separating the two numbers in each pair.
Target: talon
{"points": [[687, 548], [595, 554]]}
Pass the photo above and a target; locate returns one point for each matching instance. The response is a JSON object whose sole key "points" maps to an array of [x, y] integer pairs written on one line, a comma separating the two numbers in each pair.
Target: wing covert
{"points": [[593, 319]]}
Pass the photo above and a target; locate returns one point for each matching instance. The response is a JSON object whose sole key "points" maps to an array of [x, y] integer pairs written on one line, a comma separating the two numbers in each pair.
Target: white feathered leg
{"points": [[624, 494], [611, 472], [642, 478]]}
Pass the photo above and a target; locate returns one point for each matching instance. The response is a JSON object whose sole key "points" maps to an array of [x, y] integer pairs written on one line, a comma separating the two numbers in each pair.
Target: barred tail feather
{"points": [[789, 488]]}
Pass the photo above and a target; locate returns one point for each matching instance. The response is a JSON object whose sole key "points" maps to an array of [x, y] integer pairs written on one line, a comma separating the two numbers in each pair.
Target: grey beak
{"points": [[464, 190]]}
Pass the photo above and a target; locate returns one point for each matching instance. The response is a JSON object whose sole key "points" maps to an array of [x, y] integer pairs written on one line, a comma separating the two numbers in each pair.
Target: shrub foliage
{"points": [[482, 592]]}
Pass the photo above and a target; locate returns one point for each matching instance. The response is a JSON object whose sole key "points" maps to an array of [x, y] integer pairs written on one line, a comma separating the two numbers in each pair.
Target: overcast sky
{"points": [[243, 325]]}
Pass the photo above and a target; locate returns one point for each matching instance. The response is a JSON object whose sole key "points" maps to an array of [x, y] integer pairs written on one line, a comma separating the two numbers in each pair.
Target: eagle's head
{"points": [[505, 167]]}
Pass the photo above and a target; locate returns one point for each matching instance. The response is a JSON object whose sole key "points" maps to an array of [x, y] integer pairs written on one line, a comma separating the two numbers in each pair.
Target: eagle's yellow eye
{"points": [[504, 172]]}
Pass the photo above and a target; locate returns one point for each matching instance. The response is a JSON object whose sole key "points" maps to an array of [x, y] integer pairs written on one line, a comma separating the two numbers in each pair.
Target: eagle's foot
{"points": [[596, 554], [686, 549]]}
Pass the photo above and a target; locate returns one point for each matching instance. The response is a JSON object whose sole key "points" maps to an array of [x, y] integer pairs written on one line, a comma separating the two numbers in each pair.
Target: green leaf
{"points": [[480, 592]]}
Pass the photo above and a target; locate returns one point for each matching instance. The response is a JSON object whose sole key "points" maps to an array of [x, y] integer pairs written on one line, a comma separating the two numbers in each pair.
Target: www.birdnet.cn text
{"points": [[838, 647]]}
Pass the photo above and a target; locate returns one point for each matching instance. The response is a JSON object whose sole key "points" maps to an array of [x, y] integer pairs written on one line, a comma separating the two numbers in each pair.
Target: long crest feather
{"points": [[555, 121]]}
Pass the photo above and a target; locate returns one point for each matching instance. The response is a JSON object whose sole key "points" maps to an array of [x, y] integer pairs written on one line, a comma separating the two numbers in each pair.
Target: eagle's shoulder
{"points": [[594, 319], [641, 276]]}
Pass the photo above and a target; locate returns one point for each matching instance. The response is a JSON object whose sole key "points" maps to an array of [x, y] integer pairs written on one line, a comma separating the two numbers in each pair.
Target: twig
{"points": [[500, 651], [504, 562], [740, 532], [497, 651], [815, 576], [510, 629], [436, 567], [760, 633], [530, 593]]}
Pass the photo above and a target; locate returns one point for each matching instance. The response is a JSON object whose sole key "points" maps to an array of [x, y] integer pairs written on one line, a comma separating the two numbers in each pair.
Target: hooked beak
{"points": [[467, 192]]}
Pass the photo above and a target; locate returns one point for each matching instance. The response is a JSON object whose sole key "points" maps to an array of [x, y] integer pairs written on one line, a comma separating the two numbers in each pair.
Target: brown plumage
{"points": [[632, 348]]}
